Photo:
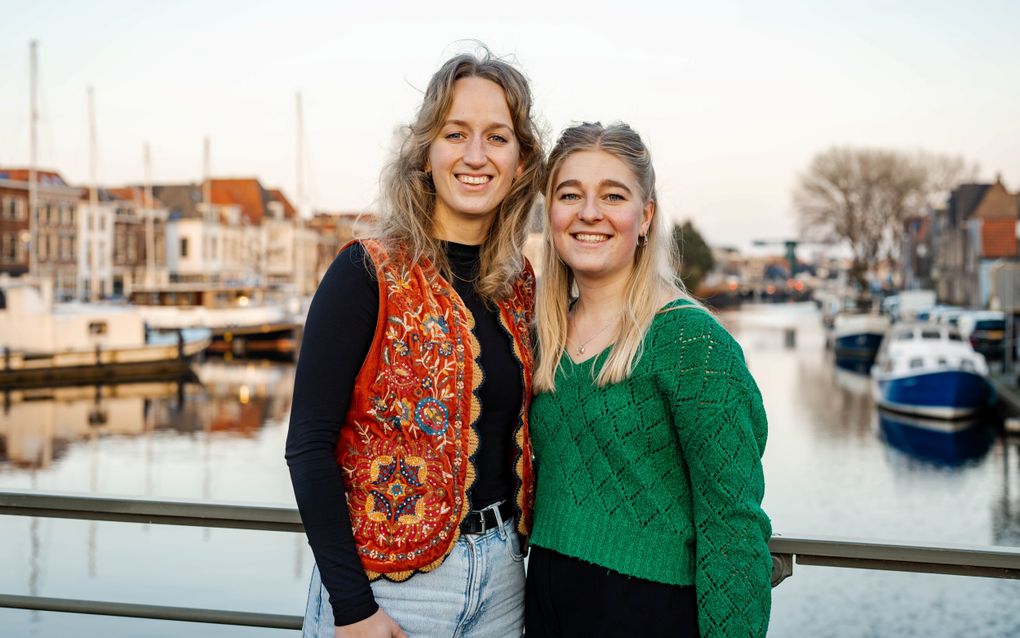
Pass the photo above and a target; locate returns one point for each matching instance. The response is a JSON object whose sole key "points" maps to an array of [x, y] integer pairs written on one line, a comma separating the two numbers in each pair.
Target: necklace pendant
{"points": [[580, 349]]}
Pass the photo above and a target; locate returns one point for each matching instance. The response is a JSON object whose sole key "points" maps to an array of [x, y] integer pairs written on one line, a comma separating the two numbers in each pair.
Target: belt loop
{"points": [[499, 520]]}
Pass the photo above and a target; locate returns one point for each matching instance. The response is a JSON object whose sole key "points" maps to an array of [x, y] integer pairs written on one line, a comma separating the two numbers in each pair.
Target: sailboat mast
{"points": [[206, 179], [93, 252], [150, 234], [298, 250], [33, 181]]}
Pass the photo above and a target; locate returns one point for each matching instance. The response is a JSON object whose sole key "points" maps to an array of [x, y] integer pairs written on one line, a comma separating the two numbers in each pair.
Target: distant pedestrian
{"points": [[408, 443], [647, 426]]}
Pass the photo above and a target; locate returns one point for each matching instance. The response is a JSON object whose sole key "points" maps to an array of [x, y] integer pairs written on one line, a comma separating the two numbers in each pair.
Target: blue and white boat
{"points": [[929, 370], [856, 339]]}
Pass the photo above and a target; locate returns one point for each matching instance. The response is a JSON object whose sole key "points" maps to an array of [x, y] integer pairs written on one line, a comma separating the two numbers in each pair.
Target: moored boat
{"points": [[929, 370], [243, 320], [856, 339], [45, 343]]}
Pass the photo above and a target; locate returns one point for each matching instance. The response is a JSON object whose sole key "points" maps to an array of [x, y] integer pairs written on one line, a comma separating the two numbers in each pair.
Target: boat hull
{"points": [[944, 394], [856, 352], [161, 359]]}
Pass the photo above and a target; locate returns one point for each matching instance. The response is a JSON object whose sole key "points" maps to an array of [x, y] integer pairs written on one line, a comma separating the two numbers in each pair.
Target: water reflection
{"points": [[1006, 509], [217, 434], [832, 468], [38, 426], [937, 441]]}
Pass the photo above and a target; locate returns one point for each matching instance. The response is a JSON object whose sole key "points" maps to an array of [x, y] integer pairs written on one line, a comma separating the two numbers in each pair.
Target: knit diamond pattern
{"points": [[660, 476]]}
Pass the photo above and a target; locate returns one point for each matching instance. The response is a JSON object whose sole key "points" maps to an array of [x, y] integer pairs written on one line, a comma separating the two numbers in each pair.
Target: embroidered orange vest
{"points": [[406, 441]]}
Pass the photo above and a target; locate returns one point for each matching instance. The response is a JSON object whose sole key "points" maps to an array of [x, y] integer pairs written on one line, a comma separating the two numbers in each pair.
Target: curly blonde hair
{"points": [[408, 194]]}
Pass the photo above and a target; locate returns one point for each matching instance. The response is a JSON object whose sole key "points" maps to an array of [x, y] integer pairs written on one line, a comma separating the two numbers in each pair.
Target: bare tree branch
{"points": [[864, 196]]}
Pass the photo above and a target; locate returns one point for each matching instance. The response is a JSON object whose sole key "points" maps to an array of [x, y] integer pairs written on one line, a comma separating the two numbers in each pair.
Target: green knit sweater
{"points": [[660, 476]]}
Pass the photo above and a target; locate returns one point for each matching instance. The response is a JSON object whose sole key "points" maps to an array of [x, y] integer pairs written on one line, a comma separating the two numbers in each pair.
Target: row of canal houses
{"points": [[957, 249], [95, 246]]}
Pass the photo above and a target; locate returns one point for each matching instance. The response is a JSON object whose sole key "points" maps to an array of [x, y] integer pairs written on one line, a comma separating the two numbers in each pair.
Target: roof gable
{"points": [[52, 178], [246, 193], [997, 203]]}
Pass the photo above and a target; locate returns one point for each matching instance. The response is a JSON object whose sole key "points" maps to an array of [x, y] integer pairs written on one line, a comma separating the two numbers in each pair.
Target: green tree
{"points": [[692, 256]]}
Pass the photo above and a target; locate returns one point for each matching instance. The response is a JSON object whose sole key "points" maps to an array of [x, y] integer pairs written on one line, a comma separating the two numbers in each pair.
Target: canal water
{"points": [[834, 467]]}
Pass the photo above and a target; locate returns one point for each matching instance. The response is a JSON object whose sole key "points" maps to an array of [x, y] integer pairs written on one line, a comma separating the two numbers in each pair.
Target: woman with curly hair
{"points": [[408, 444]]}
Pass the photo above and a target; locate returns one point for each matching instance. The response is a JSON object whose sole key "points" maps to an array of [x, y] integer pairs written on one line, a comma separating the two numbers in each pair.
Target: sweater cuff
{"points": [[352, 612]]}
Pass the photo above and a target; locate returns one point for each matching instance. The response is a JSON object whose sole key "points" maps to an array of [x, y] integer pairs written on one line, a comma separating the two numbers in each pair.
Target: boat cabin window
{"points": [[97, 328], [967, 365], [917, 362], [955, 336], [905, 336], [930, 334], [943, 362]]}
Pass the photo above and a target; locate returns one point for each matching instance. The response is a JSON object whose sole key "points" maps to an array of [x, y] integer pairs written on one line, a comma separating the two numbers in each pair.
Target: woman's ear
{"points": [[647, 215]]}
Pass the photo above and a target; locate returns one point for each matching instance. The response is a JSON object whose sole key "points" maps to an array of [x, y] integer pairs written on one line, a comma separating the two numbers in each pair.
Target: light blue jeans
{"points": [[478, 592]]}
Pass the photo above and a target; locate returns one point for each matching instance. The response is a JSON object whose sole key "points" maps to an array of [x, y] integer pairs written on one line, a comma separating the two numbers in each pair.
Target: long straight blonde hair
{"points": [[651, 280], [409, 195]]}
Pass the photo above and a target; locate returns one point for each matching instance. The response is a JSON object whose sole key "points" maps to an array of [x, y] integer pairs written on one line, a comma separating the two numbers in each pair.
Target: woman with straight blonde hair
{"points": [[647, 427], [408, 444]]}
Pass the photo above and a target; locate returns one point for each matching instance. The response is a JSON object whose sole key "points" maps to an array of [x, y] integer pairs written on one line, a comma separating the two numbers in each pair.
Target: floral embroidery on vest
{"points": [[405, 445]]}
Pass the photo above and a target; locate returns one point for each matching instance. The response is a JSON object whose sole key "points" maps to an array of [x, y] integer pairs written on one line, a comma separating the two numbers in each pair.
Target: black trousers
{"points": [[566, 598]]}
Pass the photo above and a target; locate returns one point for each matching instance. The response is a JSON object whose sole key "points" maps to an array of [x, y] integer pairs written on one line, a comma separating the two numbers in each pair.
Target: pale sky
{"points": [[733, 99]]}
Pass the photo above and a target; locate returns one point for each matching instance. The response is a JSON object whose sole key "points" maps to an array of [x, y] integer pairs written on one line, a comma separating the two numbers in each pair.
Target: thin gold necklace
{"points": [[580, 346]]}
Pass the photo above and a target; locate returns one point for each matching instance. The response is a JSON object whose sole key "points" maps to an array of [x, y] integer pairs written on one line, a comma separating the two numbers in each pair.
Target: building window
{"points": [[8, 249], [184, 246], [118, 255], [43, 245], [132, 248], [97, 328]]}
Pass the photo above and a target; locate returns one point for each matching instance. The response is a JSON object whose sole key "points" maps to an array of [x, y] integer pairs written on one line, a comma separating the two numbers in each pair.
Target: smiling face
{"points": [[473, 161], [597, 213]]}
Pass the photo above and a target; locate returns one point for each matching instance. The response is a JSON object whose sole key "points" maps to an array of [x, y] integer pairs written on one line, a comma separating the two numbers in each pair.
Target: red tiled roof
{"points": [[132, 194], [44, 176], [998, 238], [277, 195], [244, 192]]}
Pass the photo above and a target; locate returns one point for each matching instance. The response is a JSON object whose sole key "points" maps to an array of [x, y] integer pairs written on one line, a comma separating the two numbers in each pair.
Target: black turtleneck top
{"points": [[337, 337]]}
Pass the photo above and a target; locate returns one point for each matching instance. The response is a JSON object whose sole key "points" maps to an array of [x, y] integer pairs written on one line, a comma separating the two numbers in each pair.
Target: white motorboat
{"points": [[856, 339], [929, 370], [42, 342], [243, 320]]}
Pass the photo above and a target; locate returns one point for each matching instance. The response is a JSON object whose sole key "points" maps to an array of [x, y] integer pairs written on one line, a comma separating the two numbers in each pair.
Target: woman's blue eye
{"points": [[499, 138], [454, 136], [569, 196], [615, 197]]}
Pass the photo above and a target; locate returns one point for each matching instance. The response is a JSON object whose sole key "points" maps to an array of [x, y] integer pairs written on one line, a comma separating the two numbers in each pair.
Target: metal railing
{"points": [[962, 560]]}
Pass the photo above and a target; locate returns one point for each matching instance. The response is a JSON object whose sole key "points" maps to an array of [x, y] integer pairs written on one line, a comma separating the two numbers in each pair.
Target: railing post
{"points": [[782, 568]]}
